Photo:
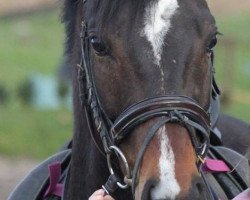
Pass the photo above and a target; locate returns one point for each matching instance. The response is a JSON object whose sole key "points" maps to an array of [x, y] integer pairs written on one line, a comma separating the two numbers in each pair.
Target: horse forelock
{"points": [[106, 12]]}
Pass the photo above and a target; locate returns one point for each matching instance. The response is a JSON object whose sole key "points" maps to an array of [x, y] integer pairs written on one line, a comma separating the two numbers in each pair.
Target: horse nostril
{"points": [[146, 193]]}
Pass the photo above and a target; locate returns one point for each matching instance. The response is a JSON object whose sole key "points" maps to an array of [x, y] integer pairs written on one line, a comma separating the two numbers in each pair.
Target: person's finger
{"points": [[96, 197], [99, 192], [108, 197]]}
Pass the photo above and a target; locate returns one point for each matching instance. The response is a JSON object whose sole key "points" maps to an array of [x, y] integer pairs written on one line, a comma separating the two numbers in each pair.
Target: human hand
{"points": [[99, 195]]}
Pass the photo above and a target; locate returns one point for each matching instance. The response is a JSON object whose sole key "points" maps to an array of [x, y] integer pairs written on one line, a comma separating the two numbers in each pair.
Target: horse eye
{"points": [[98, 46], [212, 44]]}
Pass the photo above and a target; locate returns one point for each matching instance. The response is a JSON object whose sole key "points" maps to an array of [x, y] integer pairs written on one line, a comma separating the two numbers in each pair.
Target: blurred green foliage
{"points": [[3, 95], [30, 44], [35, 43], [233, 63], [24, 92]]}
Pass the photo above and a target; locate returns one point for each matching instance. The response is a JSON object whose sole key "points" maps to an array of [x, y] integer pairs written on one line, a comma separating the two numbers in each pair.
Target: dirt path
{"points": [[14, 7], [220, 7], [11, 172]]}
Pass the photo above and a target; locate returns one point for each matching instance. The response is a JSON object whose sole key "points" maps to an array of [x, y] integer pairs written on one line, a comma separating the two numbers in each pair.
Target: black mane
{"points": [[69, 17], [104, 11]]}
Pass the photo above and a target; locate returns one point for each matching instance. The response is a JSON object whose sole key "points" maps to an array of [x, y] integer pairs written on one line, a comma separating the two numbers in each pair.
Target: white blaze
{"points": [[168, 186], [157, 23]]}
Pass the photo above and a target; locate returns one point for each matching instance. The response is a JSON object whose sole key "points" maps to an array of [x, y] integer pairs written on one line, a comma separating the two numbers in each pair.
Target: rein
{"points": [[170, 109]]}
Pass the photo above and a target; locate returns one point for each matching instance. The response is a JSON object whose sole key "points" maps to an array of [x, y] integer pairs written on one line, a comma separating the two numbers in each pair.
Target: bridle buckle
{"points": [[121, 157], [201, 160]]}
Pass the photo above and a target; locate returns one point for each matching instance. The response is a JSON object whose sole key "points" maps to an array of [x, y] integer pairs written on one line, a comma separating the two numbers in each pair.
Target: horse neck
{"points": [[88, 171]]}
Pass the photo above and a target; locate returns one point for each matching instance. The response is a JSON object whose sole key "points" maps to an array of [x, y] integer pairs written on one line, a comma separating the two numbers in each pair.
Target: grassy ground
{"points": [[35, 43], [29, 132]]}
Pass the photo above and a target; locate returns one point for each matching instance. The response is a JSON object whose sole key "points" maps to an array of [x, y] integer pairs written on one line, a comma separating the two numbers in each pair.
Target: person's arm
{"points": [[99, 195]]}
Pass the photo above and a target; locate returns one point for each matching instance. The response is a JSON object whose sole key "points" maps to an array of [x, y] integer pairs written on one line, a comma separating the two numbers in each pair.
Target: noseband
{"points": [[167, 109]]}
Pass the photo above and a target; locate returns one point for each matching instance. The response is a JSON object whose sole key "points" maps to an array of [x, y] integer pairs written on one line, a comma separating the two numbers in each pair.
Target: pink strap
{"points": [[55, 187], [211, 165], [245, 195]]}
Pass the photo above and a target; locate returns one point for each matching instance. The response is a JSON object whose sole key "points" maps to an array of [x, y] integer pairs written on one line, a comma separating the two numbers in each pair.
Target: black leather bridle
{"points": [[168, 109]]}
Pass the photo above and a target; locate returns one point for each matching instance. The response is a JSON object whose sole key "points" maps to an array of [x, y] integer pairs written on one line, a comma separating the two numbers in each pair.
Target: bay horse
{"points": [[157, 53], [144, 97]]}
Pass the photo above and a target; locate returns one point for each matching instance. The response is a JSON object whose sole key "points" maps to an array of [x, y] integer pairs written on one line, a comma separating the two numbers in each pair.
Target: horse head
{"points": [[147, 72]]}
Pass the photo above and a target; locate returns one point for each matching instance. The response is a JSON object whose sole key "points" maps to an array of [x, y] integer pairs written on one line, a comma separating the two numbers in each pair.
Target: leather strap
{"points": [[155, 107]]}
